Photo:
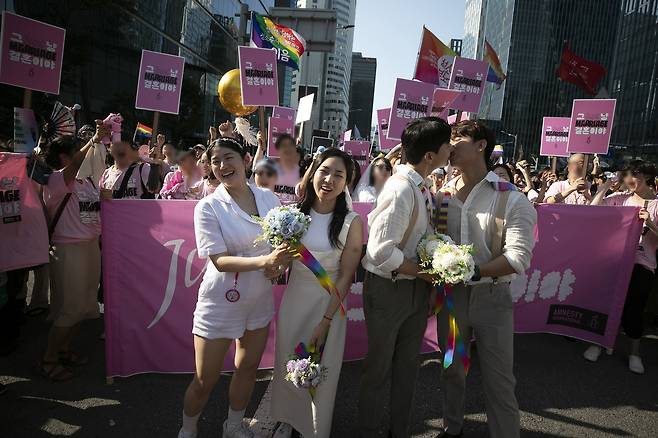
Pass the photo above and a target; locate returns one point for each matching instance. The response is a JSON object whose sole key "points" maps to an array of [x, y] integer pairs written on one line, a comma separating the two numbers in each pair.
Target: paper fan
{"points": [[61, 123]]}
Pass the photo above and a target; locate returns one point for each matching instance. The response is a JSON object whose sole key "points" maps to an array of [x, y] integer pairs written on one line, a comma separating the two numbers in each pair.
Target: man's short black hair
{"points": [[477, 130], [424, 135]]}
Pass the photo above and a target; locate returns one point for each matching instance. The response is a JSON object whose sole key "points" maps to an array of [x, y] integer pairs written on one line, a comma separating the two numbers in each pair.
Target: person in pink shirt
{"points": [[575, 189], [289, 172], [74, 208], [209, 182], [180, 183], [640, 180], [128, 178]]}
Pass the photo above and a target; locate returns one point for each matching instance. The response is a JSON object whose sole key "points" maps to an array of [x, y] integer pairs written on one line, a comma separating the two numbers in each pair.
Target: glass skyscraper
{"points": [[362, 93], [529, 36], [104, 41]]}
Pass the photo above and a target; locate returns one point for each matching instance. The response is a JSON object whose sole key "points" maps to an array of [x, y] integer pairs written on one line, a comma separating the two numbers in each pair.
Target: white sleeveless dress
{"points": [[302, 308]]}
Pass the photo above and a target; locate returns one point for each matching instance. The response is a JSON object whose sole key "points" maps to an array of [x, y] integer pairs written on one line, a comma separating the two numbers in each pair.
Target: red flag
{"points": [[579, 71]]}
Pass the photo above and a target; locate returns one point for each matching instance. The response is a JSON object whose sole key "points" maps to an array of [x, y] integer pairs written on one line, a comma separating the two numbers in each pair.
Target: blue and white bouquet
{"points": [[284, 224], [440, 256], [304, 369]]}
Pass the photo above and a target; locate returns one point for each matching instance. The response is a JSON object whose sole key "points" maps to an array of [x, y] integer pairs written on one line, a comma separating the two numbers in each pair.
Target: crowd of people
{"points": [[435, 164]]}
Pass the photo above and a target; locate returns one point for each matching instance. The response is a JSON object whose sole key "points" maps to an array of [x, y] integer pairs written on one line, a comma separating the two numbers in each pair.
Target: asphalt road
{"points": [[559, 394]]}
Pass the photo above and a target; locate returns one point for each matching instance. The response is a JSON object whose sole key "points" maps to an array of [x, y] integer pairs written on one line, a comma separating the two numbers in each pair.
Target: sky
{"points": [[390, 31]]}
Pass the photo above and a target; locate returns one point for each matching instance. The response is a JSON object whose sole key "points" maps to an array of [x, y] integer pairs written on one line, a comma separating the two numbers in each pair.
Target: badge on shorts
{"points": [[232, 295]]}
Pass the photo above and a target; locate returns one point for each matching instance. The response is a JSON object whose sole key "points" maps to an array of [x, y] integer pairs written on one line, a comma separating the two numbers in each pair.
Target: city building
{"points": [[102, 55], [285, 72], [328, 73], [456, 46], [633, 79], [528, 36], [362, 93]]}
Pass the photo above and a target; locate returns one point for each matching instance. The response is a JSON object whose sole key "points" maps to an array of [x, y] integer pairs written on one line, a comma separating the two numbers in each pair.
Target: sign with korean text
{"points": [[554, 137], [31, 53], [258, 76], [360, 151], [411, 100], [160, 81], [283, 112], [468, 76], [275, 128], [385, 144], [591, 125], [442, 101], [26, 130]]}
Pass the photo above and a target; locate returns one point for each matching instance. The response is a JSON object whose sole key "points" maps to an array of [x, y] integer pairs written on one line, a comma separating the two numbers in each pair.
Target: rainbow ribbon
{"points": [[455, 341], [316, 268]]}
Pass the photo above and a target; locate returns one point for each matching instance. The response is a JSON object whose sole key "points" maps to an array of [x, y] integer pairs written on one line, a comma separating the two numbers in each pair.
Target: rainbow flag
{"points": [[144, 130], [266, 34], [434, 62], [496, 74]]}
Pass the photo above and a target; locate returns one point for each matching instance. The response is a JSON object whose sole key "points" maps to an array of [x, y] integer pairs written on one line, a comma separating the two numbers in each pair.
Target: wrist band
{"points": [[327, 318]]}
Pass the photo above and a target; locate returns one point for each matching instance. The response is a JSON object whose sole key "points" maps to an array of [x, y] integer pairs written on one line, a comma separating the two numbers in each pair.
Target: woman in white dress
{"points": [[235, 301], [308, 313]]}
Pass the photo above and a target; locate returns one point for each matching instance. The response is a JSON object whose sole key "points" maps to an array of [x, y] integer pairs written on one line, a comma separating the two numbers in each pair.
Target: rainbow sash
{"points": [[455, 341], [316, 268]]}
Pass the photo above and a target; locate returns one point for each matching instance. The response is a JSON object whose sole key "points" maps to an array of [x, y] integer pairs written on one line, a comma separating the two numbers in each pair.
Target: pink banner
{"points": [[468, 76], [442, 101], [31, 53], [385, 144], [554, 137], [258, 77], [360, 150], [591, 125], [275, 128], [283, 112], [411, 100], [152, 274], [159, 82], [581, 267], [149, 305]]}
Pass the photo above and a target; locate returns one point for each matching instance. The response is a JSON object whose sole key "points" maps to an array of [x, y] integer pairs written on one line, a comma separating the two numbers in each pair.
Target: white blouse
{"points": [[221, 226]]}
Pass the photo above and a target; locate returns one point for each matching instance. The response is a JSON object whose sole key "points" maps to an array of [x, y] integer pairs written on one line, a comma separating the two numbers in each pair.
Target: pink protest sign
{"points": [[282, 112], [360, 150], [581, 292], [275, 128], [554, 137], [442, 101], [468, 76], [31, 53], [591, 125], [159, 82], [385, 144], [411, 100], [258, 76]]}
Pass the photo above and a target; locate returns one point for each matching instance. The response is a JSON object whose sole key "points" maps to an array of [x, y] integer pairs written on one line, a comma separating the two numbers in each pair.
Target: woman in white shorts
{"points": [[235, 299]]}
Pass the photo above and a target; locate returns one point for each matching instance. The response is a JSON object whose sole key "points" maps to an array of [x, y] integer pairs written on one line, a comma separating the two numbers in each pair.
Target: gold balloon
{"points": [[229, 92]]}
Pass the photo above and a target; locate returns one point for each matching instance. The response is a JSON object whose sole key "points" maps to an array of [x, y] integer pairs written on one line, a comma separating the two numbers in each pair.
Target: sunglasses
{"points": [[267, 173]]}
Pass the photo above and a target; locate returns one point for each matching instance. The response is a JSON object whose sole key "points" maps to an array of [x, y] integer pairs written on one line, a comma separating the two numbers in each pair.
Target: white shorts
{"points": [[215, 317]]}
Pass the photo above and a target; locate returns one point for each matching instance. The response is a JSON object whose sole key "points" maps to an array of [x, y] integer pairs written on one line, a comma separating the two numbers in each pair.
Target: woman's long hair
{"points": [[309, 196]]}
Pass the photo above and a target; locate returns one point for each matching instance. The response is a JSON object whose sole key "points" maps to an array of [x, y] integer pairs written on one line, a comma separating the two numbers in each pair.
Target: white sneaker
{"points": [[283, 431], [592, 353], [635, 364], [183, 434], [240, 430]]}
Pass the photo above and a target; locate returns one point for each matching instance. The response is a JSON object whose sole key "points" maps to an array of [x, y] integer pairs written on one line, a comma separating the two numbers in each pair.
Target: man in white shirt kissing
{"points": [[396, 294], [499, 222]]}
